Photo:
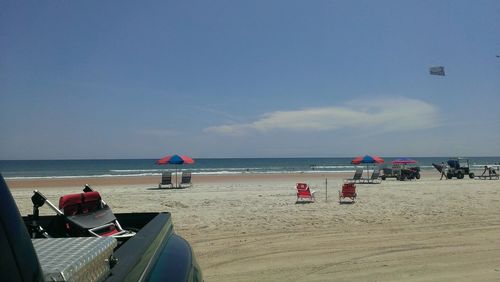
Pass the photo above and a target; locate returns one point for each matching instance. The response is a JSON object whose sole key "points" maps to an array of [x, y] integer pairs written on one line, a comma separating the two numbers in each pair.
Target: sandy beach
{"points": [[248, 227]]}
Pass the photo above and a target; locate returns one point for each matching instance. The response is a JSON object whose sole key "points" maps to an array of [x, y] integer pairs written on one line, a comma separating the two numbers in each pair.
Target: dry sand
{"points": [[248, 227]]}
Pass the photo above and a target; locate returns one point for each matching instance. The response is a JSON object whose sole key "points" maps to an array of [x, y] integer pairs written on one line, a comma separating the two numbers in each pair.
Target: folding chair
{"points": [[348, 191], [186, 178], [84, 214], [166, 179], [304, 193], [357, 175], [375, 177]]}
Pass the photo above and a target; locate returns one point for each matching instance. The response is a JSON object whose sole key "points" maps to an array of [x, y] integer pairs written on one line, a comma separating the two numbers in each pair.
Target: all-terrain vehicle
{"points": [[409, 173], [401, 172], [459, 167]]}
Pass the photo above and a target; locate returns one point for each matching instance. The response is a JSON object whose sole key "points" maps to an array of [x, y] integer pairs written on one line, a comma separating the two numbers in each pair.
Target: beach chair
{"points": [[186, 178], [492, 174], [84, 215], [348, 191], [375, 177], [166, 179], [357, 175], [487, 177], [304, 193]]}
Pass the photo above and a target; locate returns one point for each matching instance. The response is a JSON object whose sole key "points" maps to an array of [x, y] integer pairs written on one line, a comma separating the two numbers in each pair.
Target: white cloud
{"points": [[385, 114]]}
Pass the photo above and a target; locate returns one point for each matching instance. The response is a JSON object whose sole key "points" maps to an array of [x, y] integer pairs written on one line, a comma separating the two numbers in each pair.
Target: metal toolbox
{"points": [[75, 259]]}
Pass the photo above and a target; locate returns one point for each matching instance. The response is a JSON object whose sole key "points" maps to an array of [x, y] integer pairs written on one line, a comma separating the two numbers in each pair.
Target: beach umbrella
{"points": [[175, 160], [404, 161], [367, 159]]}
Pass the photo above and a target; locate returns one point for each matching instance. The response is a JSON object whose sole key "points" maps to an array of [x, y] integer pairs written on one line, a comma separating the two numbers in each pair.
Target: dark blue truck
{"points": [[154, 253]]}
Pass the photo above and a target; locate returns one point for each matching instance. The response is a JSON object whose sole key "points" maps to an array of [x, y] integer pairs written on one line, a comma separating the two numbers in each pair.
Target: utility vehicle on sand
{"points": [[458, 167]]}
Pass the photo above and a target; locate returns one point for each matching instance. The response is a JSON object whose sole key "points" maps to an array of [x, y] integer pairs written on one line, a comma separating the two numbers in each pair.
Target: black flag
{"points": [[437, 70]]}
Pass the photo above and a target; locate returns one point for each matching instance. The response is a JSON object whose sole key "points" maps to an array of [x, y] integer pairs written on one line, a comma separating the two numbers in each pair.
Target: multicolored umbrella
{"points": [[404, 161], [175, 160], [367, 159]]}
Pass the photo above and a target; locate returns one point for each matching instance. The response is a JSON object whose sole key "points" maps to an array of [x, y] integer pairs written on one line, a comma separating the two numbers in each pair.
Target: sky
{"points": [[222, 79]]}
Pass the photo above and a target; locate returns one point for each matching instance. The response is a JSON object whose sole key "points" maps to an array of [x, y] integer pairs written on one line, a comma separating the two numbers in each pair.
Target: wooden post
{"points": [[326, 189]]}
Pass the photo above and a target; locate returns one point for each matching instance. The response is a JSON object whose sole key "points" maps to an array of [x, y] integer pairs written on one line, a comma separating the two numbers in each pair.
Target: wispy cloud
{"points": [[386, 114], [220, 113], [158, 132]]}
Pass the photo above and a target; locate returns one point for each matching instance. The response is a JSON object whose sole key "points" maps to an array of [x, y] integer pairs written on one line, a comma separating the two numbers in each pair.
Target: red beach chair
{"points": [[304, 193], [82, 203], [83, 214], [348, 191], [86, 212]]}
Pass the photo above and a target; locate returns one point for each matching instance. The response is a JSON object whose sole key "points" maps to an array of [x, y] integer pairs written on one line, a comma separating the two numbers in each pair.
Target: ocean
{"points": [[28, 169]]}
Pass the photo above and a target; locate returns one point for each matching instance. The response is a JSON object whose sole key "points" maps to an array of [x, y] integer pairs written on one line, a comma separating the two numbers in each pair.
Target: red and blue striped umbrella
{"points": [[175, 159], [367, 159]]}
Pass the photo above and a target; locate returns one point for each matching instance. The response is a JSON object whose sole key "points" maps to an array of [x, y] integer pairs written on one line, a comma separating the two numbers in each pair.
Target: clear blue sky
{"points": [[142, 79]]}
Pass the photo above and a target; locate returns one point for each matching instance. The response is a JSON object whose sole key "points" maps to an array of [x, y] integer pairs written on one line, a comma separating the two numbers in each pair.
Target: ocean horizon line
{"points": [[228, 158]]}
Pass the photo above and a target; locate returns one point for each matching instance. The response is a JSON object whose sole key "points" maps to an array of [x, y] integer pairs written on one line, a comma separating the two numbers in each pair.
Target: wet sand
{"points": [[249, 228]]}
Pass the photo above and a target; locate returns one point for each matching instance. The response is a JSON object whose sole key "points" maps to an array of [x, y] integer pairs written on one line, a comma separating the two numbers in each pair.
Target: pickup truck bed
{"points": [[155, 253]]}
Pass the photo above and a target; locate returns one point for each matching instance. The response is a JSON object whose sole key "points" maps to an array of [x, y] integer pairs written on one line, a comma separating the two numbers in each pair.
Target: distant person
{"points": [[87, 188], [444, 168], [493, 171], [486, 169]]}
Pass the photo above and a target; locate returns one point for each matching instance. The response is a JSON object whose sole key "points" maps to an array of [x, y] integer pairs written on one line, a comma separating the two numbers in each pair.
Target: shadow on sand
{"points": [[168, 188], [304, 202], [346, 202]]}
